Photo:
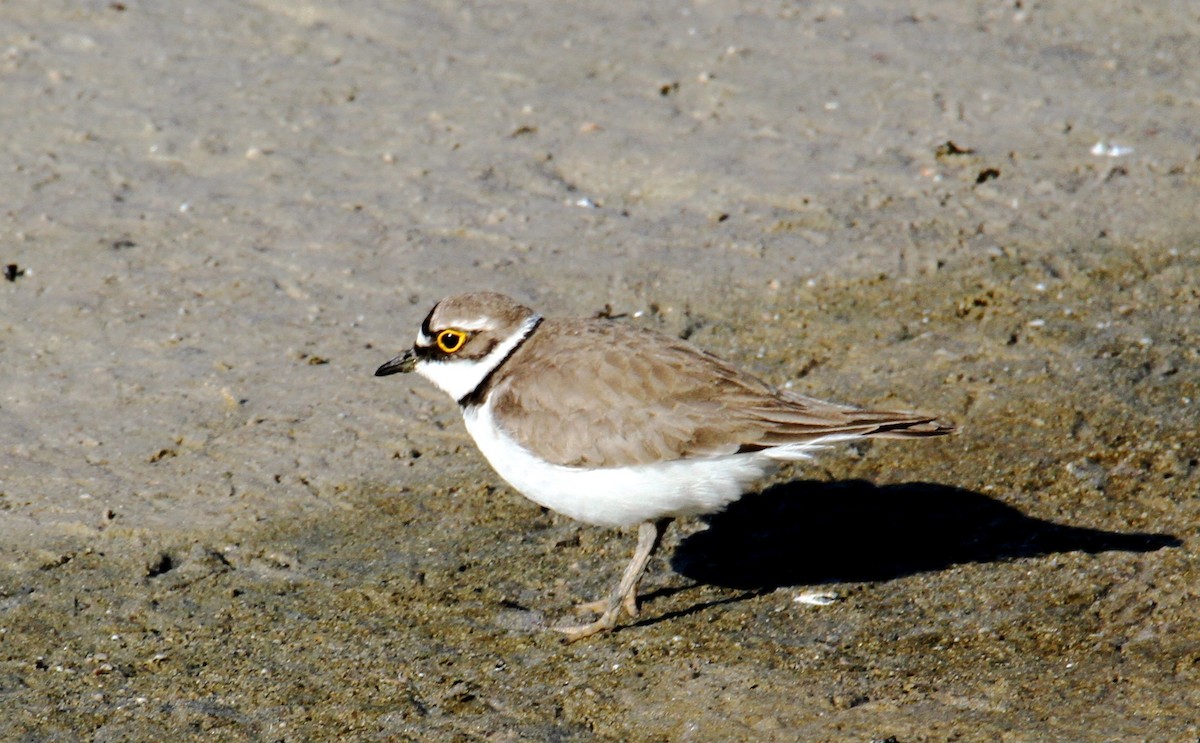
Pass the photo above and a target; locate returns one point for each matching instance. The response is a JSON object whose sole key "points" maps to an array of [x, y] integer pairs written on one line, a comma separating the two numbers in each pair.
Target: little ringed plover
{"points": [[614, 425]]}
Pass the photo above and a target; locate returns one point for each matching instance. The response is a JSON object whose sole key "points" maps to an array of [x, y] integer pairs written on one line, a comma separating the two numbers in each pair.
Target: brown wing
{"points": [[600, 394]]}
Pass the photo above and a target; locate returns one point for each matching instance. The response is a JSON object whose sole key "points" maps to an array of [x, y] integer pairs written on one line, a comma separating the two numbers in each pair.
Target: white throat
{"points": [[459, 377]]}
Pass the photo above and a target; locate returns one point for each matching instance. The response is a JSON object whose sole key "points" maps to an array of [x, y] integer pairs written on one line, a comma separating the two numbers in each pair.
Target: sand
{"points": [[219, 218]]}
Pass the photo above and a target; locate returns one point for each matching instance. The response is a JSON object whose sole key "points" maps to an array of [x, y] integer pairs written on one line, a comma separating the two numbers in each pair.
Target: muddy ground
{"points": [[219, 218]]}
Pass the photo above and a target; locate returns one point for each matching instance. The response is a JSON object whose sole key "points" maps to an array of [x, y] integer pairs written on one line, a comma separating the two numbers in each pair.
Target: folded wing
{"points": [[607, 395]]}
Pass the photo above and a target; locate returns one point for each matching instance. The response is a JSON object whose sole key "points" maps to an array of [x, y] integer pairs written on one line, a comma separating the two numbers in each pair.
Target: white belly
{"points": [[618, 496]]}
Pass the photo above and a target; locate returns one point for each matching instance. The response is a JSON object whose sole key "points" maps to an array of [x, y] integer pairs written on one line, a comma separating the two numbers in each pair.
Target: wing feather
{"points": [[600, 394]]}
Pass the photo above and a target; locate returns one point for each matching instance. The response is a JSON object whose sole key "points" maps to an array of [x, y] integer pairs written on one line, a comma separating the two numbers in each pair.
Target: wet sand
{"points": [[217, 525]]}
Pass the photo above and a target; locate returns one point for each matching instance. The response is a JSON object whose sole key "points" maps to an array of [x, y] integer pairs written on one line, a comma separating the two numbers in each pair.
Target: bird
{"points": [[615, 425]]}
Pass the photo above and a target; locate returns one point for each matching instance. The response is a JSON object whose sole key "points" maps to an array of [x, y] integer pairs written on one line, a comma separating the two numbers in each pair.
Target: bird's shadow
{"points": [[806, 532]]}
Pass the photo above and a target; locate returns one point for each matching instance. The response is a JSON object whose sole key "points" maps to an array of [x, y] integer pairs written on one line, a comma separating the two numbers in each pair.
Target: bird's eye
{"points": [[451, 340]]}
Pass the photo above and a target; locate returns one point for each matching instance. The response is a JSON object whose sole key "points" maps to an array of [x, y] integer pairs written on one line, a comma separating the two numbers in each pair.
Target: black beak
{"points": [[403, 363]]}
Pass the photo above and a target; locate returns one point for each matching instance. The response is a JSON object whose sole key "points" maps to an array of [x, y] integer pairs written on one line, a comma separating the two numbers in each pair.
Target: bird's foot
{"points": [[608, 609], [606, 622], [625, 597], [600, 606]]}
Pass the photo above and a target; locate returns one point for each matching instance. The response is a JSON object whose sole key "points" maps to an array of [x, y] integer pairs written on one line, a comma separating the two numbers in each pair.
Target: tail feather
{"points": [[919, 427], [846, 424]]}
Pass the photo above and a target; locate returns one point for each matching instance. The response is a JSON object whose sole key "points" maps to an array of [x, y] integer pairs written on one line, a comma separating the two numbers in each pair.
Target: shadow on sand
{"points": [[807, 532]]}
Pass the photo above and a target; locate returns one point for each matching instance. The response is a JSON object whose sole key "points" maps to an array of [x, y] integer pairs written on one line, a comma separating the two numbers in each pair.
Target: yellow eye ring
{"points": [[451, 340]]}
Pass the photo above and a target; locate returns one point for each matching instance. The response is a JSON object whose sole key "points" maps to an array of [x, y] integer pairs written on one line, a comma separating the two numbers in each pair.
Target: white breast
{"points": [[617, 496]]}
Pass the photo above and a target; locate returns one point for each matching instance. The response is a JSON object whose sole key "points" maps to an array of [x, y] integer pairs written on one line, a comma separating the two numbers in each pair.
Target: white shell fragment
{"points": [[1104, 149], [817, 598]]}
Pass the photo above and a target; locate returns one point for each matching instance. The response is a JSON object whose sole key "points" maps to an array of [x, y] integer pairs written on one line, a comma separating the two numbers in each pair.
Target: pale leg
{"points": [[625, 597]]}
